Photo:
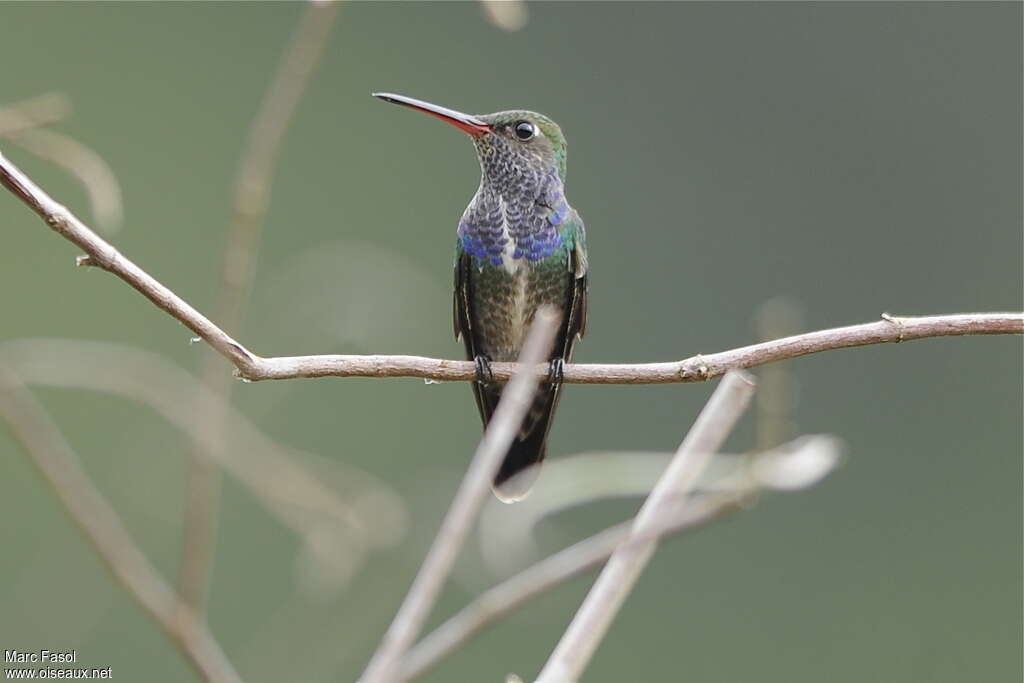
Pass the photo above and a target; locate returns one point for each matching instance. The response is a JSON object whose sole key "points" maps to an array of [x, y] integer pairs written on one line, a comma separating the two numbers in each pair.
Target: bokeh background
{"points": [[850, 158]]}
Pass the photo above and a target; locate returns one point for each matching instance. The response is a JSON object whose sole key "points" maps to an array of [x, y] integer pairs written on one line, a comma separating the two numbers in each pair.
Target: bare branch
{"points": [[23, 123], [512, 408], [252, 198], [695, 369], [85, 165], [100, 524], [814, 455], [261, 465], [588, 627], [101, 254], [498, 601]]}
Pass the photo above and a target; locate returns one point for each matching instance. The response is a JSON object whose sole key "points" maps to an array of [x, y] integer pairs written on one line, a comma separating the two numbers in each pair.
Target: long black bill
{"points": [[465, 122]]}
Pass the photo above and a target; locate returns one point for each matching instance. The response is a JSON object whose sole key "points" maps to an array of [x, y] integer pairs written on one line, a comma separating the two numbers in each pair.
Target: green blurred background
{"points": [[852, 158]]}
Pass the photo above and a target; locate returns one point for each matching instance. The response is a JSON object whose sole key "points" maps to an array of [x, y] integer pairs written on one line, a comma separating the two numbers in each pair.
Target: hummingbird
{"points": [[519, 246]]}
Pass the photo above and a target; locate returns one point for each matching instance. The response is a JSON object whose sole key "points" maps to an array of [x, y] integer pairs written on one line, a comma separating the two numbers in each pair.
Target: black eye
{"points": [[525, 130]]}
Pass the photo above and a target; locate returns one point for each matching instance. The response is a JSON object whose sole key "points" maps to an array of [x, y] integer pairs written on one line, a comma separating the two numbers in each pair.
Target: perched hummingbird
{"points": [[520, 245]]}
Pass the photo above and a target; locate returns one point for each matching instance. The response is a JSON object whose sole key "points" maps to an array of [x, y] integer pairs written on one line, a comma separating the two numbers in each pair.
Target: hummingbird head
{"points": [[510, 144]]}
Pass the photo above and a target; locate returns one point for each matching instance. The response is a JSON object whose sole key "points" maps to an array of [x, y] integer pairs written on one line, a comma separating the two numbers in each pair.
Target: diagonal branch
{"points": [[698, 368], [512, 408], [85, 165], [87, 507], [588, 627], [101, 254], [265, 468], [24, 123], [793, 466], [496, 602]]}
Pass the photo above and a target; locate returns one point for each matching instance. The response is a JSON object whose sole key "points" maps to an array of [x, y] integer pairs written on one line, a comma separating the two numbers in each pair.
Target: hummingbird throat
{"points": [[517, 213]]}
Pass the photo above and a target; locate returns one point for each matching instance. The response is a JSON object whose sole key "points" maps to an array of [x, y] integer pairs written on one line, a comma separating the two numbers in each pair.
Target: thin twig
{"points": [[23, 122], [588, 627], [261, 465], [100, 524], [83, 163], [815, 455], [474, 489], [252, 198], [102, 255], [263, 144], [497, 602], [698, 368], [776, 383]]}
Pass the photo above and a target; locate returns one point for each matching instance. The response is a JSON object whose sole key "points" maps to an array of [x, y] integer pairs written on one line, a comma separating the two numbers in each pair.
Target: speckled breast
{"points": [[504, 302]]}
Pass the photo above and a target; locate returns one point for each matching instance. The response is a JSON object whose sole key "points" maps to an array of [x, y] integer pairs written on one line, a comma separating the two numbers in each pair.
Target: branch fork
{"points": [[573, 653]]}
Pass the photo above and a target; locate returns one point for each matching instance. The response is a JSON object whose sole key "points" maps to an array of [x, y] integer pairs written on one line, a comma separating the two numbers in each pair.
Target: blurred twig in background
{"points": [[35, 112], [249, 208], [578, 644], [24, 122], [298, 499], [508, 15], [515, 401], [776, 387], [221, 435], [813, 457], [57, 462], [716, 420]]}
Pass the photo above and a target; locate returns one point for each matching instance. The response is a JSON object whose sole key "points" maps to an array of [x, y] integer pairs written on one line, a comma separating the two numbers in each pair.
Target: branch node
{"points": [[242, 351], [103, 257], [893, 320], [698, 369], [58, 221]]}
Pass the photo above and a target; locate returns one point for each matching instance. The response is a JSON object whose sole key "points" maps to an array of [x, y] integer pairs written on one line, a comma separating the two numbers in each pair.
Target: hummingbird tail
{"points": [[521, 465], [519, 470]]}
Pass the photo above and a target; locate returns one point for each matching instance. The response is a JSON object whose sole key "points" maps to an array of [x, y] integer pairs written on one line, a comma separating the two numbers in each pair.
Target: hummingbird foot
{"points": [[484, 376], [556, 372]]}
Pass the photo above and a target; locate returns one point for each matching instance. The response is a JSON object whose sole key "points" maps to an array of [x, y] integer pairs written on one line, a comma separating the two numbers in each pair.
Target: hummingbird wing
{"points": [[579, 266], [463, 324], [460, 300]]}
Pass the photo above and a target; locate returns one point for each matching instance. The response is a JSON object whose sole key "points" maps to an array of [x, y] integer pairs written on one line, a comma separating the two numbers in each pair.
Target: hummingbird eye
{"points": [[525, 130]]}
